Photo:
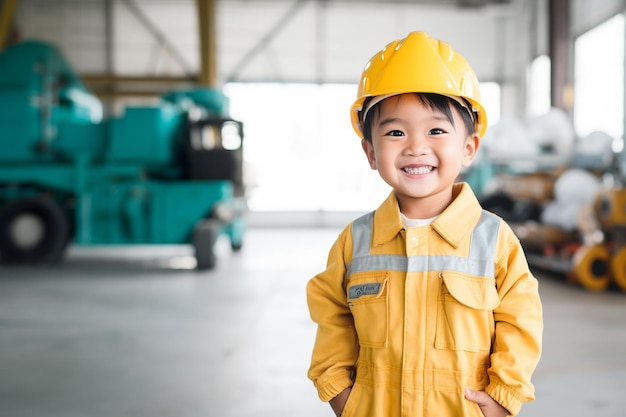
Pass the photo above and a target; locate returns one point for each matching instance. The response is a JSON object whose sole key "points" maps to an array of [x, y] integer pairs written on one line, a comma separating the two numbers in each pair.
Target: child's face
{"points": [[418, 151]]}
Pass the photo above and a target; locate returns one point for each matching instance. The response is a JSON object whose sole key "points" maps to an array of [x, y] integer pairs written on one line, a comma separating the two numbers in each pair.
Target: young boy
{"points": [[427, 307]]}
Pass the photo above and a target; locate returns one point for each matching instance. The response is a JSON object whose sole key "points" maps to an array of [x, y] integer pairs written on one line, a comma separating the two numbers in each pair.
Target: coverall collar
{"points": [[453, 224]]}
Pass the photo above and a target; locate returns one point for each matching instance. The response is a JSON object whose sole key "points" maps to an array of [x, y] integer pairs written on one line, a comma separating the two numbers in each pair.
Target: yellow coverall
{"points": [[410, 318]]}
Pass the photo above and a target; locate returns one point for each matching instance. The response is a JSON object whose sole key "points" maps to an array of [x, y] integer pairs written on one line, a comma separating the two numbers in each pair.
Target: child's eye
{"points": [[395, 133], [436, 131]]}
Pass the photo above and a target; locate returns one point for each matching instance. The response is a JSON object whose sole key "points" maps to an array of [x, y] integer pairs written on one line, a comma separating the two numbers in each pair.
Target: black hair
{"points": [[436, 102]]}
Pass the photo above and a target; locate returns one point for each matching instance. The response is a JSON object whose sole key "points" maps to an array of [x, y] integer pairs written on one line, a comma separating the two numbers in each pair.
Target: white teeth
{"points": [[418, 170]]}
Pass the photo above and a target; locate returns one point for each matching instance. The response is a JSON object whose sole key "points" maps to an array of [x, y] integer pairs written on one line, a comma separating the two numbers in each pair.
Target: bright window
{"points": [[538, 82], [300, 152], [599, 79], [490, 98]]}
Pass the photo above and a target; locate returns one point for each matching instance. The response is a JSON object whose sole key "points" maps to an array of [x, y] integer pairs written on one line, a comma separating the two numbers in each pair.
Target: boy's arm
{"points": [[336, 346], [518, 328]]}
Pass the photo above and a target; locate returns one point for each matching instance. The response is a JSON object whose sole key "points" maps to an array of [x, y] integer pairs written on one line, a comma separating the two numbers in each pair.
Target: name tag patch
{"points": [[357, 291]]}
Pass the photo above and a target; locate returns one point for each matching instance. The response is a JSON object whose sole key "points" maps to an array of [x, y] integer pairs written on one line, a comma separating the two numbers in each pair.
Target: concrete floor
{"points": [[135, 332]]}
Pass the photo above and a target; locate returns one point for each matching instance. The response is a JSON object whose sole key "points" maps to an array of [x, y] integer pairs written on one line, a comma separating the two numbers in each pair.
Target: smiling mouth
{"points": [[418, 170]]}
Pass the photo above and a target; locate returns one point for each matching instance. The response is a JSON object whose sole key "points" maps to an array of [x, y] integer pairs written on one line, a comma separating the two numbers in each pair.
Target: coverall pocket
{"points": [[367, 298], [465, 312]]}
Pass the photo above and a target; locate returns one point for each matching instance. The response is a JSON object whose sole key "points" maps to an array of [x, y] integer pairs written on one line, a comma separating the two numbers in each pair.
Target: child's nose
{"points": [[417, 145]]}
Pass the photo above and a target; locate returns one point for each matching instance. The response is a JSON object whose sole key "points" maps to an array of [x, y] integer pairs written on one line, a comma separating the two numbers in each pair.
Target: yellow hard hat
{"points": [[419, 63]]}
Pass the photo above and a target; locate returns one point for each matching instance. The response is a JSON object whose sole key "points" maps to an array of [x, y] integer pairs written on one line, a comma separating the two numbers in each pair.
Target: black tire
{"points": [[51, 231], [204, 237]]}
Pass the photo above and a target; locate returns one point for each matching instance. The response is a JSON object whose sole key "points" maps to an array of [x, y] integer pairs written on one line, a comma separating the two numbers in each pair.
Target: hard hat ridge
{"points": [[419, 63]]}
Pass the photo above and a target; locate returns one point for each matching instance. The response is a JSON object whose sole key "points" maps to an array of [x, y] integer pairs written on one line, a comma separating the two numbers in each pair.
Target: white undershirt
{"points": [[406, 222]]}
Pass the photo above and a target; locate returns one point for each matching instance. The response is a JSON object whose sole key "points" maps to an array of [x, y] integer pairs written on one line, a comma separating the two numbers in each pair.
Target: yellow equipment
{"points": [[610, 208], [618, 268], [591, 267]]}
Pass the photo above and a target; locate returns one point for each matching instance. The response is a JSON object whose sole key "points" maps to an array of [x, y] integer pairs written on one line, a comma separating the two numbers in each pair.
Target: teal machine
{"points": [[163, 174]]}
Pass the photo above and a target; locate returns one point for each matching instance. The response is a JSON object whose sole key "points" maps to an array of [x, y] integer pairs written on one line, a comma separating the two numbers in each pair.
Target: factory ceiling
{"points": [[321, 41]]}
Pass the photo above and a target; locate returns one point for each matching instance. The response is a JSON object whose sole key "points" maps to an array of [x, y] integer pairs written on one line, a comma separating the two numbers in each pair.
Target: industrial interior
{"points": [[173, 172]]}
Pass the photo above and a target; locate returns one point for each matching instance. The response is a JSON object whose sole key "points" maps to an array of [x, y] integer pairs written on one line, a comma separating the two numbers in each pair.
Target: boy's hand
{"points": [[488, 406], [339, 401]]}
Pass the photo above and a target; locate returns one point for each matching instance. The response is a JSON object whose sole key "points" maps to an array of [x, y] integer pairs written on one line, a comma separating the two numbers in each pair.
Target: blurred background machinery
{"points": [[168, 173], [563, 195]]}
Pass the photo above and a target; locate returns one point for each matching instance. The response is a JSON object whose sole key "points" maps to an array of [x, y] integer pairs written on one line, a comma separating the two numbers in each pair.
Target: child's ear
{"points": [[368, 148], [470, 149]]}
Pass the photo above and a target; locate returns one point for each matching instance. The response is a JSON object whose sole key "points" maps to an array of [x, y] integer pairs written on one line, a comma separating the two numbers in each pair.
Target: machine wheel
{"points": [[204, 237], [33, 230], [236, 246], [618, 268], [591, 267], [236, 232]]}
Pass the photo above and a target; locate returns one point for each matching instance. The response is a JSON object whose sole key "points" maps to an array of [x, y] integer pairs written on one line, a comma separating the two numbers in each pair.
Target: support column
{"points": [[6, 21], [208, 45], [558, 30]]}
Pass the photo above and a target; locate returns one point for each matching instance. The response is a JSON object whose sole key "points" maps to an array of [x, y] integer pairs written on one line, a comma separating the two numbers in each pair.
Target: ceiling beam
{"points": [[159, 36], [265, 40]]}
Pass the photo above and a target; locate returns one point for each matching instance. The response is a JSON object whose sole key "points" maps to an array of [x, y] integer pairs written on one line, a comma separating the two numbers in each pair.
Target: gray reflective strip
{"points": [[485, 241], [362, 235], [481, 260]]}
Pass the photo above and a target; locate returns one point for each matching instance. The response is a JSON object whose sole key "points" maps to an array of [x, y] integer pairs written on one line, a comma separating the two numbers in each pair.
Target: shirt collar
{"points": [[454, 224]]}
